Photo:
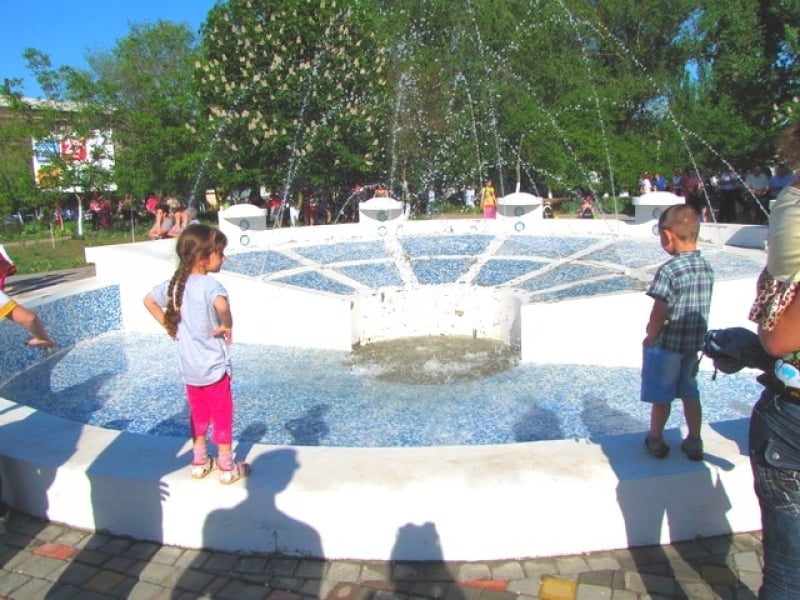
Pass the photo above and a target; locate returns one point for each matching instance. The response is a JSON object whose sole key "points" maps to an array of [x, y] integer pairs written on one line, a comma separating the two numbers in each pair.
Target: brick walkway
{"points": [[45, 560]]}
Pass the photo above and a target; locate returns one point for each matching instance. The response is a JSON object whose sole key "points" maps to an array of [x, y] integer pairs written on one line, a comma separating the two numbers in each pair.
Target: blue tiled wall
{"points": [[68, 320]]}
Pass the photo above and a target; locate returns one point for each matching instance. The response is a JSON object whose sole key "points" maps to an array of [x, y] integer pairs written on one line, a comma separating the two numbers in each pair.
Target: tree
{"points": [[142, 90], [52, 126], [16, 177], [746, 55], [147, 79], [292, 94], [292, 91]]}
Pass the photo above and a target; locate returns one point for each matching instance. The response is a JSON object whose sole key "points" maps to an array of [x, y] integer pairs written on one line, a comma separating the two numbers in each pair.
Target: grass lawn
{"points": [[37, 252]]}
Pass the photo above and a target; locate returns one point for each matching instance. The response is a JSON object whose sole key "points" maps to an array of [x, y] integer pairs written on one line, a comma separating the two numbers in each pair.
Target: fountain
{"points": [[462, 277], [566, 293]]}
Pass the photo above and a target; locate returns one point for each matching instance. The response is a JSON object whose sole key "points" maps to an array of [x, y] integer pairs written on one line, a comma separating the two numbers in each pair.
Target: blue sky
{"points": [[66, 30]]}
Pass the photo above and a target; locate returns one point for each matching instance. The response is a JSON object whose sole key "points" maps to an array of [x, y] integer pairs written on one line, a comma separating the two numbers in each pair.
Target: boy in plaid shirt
{"points": [[681, 292]]}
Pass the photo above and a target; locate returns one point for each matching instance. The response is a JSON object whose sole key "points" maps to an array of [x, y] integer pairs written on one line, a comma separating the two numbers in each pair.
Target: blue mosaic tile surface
{"points": [[101, 375], [344, 251], [436, 271], [455, 245], [316, 281], [374, 275], [311, 397], [433, 260], [631, 253], [564, 274], [255, 264], [592, 288], [68, 321], [727, 265], [545, 246], [498, 272]]}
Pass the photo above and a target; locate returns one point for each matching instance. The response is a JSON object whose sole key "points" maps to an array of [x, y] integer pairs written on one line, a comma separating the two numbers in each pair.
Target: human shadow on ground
{"points": [[250, 434], [20, 284], [269, 533], [29, 284], [77, 402], [430, 578], [537, 424], [48, 442], [310, 428], [127, 491], [646, 497]]}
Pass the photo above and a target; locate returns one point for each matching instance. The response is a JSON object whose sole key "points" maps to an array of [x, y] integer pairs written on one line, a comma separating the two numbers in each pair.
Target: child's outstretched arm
{"points": [[30, 321], [154, 308], [225, 329]]}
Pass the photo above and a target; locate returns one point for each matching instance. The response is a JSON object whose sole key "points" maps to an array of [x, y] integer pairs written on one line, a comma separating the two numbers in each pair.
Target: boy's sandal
{"points": [[200, 471], [656, 448], [693, 448], [239, 471]]}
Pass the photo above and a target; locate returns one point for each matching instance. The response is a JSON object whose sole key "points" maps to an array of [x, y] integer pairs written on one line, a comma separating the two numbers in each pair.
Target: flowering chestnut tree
{"points": [[294, 91]]}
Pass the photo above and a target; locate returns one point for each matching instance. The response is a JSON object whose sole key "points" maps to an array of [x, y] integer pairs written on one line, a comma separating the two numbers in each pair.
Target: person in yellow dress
{"points": [[24, 317], [488, 200], [10, 309]]}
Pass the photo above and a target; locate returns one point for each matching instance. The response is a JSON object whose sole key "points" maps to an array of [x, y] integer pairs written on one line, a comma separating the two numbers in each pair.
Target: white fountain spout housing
{"points": [[650, 206], [381, 213], [519, 209], [240, 222]]}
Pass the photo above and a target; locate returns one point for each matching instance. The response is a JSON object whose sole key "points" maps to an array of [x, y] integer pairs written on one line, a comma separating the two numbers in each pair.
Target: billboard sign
{"points": [[78, 154]]}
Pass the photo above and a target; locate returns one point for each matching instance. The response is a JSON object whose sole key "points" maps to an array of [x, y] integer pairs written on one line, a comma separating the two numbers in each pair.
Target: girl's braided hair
{"points": [[196, 242]]}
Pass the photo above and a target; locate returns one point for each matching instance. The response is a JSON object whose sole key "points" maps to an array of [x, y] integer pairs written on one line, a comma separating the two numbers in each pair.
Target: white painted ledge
{"points": [[485, 502]]}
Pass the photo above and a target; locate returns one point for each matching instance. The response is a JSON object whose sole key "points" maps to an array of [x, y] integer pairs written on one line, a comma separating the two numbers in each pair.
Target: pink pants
{"points": [[212, 405]]}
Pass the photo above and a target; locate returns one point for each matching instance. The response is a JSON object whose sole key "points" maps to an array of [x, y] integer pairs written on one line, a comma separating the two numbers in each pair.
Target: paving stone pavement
{"points": [[44, 560]]}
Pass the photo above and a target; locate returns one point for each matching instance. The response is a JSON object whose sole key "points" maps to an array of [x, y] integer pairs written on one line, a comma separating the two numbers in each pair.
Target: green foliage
{"points": [[290, 90], [142, 90], [148, 79], [17, 187], [431, 93]]}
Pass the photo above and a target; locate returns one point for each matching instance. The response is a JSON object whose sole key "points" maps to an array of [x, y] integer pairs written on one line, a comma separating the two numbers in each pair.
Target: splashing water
{"points": [[433, 360]]}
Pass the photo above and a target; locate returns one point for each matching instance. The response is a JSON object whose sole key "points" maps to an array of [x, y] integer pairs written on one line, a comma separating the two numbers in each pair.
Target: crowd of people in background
{"points": [[170, 217], [167, 215], [726, 196]]}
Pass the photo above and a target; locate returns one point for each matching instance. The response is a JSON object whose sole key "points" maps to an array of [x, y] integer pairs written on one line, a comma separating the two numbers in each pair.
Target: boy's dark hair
{"points": [[682, 220]]}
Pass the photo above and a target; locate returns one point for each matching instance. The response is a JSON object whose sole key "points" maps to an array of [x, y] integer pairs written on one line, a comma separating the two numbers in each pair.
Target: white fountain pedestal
{"points": [[649, 206], [519, 209], [240, 221], [381, 214]]}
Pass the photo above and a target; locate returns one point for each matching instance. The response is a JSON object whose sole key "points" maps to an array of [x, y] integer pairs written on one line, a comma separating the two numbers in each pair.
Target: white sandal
{"points": [[200, 471], [239, 471]]}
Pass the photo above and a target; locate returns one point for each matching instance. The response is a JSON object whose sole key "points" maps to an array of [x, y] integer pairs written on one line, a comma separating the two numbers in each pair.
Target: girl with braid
{"points": [[193, 307]]}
